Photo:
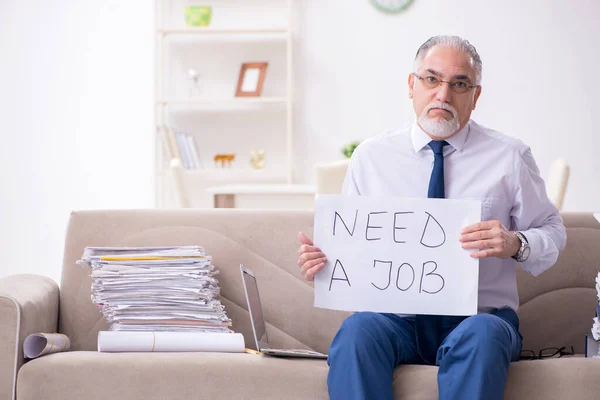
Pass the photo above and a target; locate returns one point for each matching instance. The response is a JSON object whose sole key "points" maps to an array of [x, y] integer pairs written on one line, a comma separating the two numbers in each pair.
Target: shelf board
{"points": [[223, 104], [269, 173], [222, 31], [226, 100], [219, 176], [263, 189]]}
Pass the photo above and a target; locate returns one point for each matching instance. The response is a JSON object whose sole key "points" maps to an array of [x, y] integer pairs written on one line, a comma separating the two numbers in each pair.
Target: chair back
{"points": [[556, 184], [330, 176]]}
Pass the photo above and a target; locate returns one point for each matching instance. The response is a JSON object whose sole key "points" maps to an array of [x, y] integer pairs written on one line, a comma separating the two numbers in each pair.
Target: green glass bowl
{"points": [[198, 15]]}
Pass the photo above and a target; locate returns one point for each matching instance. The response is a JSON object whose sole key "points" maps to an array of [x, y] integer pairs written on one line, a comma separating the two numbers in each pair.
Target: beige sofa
{"points": [[556, 310]]}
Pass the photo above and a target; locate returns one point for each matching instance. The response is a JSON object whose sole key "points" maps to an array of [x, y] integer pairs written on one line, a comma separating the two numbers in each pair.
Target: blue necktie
{"points": [[436, 182], [429, 328]]}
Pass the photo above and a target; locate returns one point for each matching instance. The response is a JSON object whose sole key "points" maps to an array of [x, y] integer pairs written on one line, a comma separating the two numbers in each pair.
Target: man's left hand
{"points": [[491, 239]]}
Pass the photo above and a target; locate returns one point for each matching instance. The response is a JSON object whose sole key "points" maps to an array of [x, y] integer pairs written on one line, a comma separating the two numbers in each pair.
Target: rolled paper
{"points": [[129, 341], [40, 344]]}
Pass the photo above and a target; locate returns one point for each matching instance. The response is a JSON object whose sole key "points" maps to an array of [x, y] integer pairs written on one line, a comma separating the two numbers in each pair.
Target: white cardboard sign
{"points": [[395, 255]]}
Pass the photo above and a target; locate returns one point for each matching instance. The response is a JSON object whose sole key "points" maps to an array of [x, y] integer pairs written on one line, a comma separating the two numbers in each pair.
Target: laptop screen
{"points": [[255, 308]]}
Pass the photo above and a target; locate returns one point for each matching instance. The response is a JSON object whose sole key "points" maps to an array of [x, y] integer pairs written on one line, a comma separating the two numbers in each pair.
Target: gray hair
{"points": [[454, 42]]}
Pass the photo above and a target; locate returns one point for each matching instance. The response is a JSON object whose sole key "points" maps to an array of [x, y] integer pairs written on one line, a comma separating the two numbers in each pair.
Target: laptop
{"points": [[258, 323]]}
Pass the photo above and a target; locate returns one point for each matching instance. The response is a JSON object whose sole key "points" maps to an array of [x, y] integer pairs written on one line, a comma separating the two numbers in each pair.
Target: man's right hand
{"points": [[311, 259]]}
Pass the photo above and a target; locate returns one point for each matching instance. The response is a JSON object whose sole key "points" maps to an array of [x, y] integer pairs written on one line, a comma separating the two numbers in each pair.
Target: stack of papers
{"points": [[156, 289]]}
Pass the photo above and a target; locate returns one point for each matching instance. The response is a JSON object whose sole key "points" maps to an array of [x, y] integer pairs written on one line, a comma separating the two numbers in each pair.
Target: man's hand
{"points": [[491, 238], [311, 259]]}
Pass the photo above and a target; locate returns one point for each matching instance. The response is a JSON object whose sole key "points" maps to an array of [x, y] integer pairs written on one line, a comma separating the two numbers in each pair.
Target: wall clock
{"points": [[391, 6]]}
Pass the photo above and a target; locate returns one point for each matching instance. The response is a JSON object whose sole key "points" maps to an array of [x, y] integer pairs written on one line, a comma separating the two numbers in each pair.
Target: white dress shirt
{"points": [[479, 163]]}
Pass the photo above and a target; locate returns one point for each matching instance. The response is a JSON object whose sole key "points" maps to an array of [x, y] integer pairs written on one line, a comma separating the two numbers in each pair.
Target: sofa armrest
{"points": [[28, 304]]}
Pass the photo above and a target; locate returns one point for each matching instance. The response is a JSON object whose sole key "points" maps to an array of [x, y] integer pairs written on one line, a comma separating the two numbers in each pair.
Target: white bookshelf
{"points": [[223, 31], [225, 103], [240, 31]]}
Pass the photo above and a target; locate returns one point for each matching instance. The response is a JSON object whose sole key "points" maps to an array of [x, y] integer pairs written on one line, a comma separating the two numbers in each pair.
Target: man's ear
{"points": [[411, 85], [476, 96]]}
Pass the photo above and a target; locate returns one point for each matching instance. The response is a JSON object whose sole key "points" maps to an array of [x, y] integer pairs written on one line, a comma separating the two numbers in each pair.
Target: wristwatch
{"points": [[523, 253]]}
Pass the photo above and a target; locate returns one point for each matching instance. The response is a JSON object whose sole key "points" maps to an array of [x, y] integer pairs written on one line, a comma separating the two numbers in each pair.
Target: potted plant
{"points": [[349, 148]]}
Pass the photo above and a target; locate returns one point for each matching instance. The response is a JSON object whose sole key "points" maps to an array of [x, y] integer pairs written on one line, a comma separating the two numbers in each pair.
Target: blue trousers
{"points": [[473, 357]]}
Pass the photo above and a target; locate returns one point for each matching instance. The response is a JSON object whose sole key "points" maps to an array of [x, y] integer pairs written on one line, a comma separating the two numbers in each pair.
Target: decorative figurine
{"points": [[224, 158], [195, 89], [257, 159]]}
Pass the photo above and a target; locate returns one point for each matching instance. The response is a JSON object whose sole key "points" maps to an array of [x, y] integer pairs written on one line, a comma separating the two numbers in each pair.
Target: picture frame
{"points": [[251, 79]]}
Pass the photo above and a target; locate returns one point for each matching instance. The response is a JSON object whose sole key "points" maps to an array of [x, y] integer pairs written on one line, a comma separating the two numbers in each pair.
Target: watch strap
{"points": [[524, 244]]}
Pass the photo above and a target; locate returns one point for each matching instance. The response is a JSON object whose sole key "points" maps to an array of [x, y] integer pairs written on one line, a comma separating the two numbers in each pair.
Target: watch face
{"points": [[391, 6], [525, 254]]}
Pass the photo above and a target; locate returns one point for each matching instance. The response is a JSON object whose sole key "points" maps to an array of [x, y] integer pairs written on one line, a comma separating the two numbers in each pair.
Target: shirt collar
{"points": [[420, 139]]}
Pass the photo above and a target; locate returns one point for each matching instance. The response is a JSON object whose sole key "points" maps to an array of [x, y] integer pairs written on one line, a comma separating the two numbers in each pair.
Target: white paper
{"points": [[95, 253], [598, 288], [168, 294], [596, 324], [592, 347], [115, 341], [40, 344], [596, 328], [597, 215], [395, 255]]}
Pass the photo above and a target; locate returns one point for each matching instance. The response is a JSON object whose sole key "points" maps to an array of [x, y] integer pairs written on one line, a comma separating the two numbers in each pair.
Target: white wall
{"points": [[76, 90], [76, 120], [540, 80]]}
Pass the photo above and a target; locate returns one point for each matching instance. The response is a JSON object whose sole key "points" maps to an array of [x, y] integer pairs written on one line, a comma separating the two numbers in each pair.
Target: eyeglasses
{"points": [[546, 353], [457, 86]]}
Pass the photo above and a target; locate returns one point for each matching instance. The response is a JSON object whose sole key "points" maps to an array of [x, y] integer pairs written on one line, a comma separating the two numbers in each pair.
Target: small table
{"points": [[263, 196]]}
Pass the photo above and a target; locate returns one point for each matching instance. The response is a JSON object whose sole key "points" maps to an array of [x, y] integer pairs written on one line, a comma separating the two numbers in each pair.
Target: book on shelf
{"points": [[194, 151], [181, 145], [184, 151]]}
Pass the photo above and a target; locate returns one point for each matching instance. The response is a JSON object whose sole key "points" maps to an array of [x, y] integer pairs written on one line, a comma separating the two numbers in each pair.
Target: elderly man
{"points": [[445, 154]]}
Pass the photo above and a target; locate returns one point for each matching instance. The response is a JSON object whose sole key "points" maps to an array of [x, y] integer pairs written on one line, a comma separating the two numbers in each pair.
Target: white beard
{"points": [[441, 128]]}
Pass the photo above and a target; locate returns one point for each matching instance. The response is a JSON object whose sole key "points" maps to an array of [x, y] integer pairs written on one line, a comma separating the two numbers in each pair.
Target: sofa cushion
{"points": [[554, 379], [153, 376]]}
